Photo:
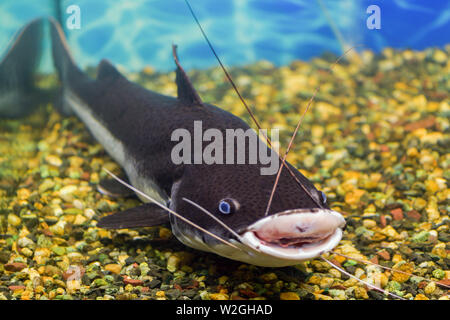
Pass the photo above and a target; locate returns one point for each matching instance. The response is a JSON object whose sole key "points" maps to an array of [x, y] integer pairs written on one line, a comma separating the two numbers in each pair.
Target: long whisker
{"points": [[295, 134], [221, 65], [214, 217], [365, 282], [169, 210], [386, 268], [228, 76]]}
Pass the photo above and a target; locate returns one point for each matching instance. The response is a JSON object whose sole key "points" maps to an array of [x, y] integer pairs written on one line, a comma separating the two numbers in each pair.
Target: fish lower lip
{"points": [[297, 253]]}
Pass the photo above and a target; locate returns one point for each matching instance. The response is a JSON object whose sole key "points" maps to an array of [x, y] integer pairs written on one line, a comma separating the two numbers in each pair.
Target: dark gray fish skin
{"points": [[144, 120], [135, 126], [18, 94]]}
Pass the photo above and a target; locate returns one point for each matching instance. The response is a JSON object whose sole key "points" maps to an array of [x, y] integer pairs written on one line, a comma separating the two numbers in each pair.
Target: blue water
{"points": [[137, 33]]}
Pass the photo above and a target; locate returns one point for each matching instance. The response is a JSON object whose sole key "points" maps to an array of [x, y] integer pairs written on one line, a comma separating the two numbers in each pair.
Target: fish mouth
{"points": [[295, 235]]}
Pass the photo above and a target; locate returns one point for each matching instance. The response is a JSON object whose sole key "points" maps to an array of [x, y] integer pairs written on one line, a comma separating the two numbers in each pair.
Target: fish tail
{"points": [[18, 67], [62, 59], [69, 73], [58, 12]]}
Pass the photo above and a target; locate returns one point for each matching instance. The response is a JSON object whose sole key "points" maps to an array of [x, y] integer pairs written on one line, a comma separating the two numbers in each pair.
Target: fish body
{"points": [[136, 126]]}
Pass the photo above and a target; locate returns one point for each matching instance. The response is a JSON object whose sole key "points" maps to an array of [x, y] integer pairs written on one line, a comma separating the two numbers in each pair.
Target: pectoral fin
{"points": [[146, 215], [114, 189]]}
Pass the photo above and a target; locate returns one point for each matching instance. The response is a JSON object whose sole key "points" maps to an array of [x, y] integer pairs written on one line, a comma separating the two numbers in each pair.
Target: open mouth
{"points": [[295, 242], [295, 235]]}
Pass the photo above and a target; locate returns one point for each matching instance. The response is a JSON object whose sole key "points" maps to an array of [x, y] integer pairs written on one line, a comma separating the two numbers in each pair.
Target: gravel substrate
{"points": [[375, 141]]}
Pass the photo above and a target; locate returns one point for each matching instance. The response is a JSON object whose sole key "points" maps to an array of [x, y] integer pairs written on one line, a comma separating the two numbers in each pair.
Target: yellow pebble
{"points": [[412, 152], [79, 220], [314, 280], [419, 203], [335, 273], [421, 297], [219, 296], [26, 295], [53, 160], [14, 220], [429, 289], [354, 197], [60, 291], [52, 294], [73, 286], [164, 233], [223, 279], [397, 258], [390, 232], [401, 277], [102, 233], [160, 294], [173, 263], [23, 194], [432, 210], [322, 297], [129, 287], [440, 250], [113, 268], [431, 186], [361, 293], [289, 296], [369, 223], [326, 282]]}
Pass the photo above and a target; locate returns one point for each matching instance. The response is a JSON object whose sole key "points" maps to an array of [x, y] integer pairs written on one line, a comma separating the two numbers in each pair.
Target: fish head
{"points": [[299, 225]]}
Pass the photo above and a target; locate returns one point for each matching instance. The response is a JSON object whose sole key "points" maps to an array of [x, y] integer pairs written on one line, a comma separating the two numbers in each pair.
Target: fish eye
{"points": [[227, 206], [323, 196]]}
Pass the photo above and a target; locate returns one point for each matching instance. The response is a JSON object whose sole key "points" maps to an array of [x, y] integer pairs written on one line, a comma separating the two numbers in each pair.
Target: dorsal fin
{"points": [[186, 91], [107, 71]]}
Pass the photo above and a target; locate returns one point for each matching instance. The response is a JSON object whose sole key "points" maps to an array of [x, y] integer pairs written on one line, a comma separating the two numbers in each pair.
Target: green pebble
{"points": [[416, 279], [350, 262], [204, 295], [393, 286], [44, 171], [73, 211], [337, 293], [46, 185], [100, 282], [361, 231], [44, 242], [4, 256], [420, 173], [111, 290], [439, 274], [421, 236], [102, 257], [92, 275], [74, 175], [19, 259], [70, 249], [144, 268], [60, 251], [103, 206]]}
